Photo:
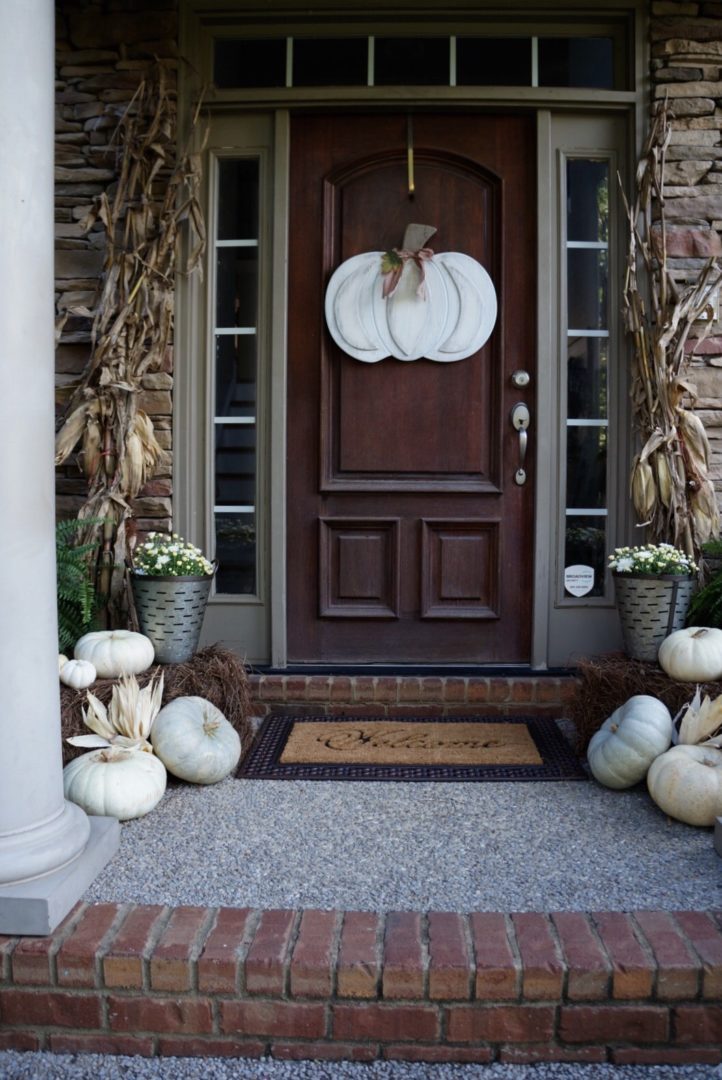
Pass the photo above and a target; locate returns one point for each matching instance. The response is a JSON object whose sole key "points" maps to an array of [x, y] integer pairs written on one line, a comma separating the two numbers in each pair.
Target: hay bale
{"points": [[214, 673], [606, 682]]}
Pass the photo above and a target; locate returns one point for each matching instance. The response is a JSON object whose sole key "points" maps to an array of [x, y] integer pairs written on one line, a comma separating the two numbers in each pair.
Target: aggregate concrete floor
{"points": [[542, 846]]}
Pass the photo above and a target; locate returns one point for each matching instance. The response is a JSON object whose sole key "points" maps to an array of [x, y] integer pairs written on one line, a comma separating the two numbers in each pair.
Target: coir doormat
{"points": [[475, 748]]}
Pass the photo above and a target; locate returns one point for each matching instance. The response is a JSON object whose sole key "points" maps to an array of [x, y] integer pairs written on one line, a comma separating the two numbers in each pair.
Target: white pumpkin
{"points": [[693, 654], [116, 652], [627, 743], [686, 783], [62, 659], [453, 318], [115, 783], [78, 674], [194, 740]]}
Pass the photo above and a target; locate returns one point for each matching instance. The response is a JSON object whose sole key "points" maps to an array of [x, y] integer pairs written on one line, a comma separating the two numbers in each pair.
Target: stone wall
{"points": [[686, 61], [102, 50]]}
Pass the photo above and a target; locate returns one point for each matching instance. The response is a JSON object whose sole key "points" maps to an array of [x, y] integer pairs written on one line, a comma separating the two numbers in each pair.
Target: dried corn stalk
{"points": [[670, 485], [156, 196]]}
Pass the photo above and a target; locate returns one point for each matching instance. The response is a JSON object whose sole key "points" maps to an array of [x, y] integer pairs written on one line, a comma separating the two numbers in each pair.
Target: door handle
{"points": [[520, 420]]}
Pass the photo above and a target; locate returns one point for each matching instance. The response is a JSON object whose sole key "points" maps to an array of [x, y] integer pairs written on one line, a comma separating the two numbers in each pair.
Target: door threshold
{"points": [[421, 670]]}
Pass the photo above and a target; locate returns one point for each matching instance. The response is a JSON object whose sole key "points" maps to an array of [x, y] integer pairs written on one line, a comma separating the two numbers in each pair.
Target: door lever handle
{"points": [[520, 420]]}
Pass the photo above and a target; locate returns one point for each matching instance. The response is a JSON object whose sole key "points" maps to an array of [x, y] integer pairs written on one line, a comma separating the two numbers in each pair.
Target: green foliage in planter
{"points": [[75, 580], [713, 548], [705, 608]]}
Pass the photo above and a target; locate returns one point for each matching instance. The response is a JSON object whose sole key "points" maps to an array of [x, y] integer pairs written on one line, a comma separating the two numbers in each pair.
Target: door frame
{"points": [[555, 625]]}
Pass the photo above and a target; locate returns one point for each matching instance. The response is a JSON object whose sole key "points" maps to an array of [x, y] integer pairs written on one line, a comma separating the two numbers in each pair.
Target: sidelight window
{"points": [[235, 306], [587, 368]]}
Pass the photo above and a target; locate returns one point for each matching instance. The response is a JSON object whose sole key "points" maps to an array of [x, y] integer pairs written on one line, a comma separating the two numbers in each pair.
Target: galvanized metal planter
{"points": [[170, 612], [650, 607]]}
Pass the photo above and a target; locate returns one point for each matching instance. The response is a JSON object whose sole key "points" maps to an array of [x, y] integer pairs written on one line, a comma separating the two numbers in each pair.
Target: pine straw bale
{"points": [[606, 682], [213, 673]]}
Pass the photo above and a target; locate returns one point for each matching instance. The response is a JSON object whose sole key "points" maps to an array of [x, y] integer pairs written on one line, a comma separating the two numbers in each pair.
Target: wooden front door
{"points": [[409, 540]]}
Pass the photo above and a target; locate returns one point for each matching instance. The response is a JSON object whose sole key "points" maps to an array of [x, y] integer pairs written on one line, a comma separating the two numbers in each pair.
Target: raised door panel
{"points": [[460, 570], [440, 422], [359, 568]]}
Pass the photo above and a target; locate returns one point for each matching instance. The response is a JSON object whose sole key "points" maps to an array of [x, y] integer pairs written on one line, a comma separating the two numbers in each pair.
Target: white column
{"points": [[40, 833]]}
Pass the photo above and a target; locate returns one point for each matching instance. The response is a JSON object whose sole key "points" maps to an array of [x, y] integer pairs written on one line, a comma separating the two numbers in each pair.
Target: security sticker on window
{"points": [[579, 580]]}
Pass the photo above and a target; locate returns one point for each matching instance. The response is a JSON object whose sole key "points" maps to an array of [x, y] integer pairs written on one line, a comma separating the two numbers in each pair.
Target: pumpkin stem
{"points": [[113, 753], [613, 728], [700, 632], [210, 724]]}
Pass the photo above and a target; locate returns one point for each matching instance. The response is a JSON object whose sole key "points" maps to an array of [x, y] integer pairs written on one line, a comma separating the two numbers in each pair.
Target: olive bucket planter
{"points": [[651, 607], [170, 612]]}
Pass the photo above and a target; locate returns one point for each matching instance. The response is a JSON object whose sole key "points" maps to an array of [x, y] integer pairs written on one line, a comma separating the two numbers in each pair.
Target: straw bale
{"points": [[214, 673], [606, 682]]}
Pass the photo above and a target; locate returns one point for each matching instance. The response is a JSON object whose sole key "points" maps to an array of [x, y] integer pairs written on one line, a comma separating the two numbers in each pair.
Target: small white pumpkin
{"points": [[116, 652], [627, 743], [78, 674], [62, 659], [693, 654], [115, 783], [194, 740], [686, 783]]}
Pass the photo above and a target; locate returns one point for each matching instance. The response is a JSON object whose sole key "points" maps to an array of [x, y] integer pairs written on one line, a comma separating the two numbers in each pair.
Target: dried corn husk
{"points": [[127, 720], [705, 515], [702, 720], [664, 478], [644, 490], [695, 437]]}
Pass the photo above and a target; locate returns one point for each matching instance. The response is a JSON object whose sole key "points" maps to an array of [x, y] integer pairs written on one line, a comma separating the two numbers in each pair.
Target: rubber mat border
{"points": [[559, 762]]}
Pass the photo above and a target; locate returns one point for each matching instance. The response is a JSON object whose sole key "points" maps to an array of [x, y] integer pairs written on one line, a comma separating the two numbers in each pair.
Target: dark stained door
{"points": [[408, 539]]}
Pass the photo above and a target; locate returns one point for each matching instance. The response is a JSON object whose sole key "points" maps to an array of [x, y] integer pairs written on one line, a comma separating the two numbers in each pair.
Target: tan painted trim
{"points": [[588, 625], [282, 12], [543, 421], [446, 96], [278, 399]]}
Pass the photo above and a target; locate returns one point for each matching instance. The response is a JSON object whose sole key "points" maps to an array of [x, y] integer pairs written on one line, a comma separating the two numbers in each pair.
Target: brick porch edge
{"points": [[411, 695], [610, 986]]}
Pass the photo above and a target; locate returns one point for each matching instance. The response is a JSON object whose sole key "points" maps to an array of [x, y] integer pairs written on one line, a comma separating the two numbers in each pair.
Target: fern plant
{"points": [[75, 580]]}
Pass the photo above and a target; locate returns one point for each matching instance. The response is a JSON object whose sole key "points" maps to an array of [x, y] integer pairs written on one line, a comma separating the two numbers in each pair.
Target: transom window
{"points": [[590, 62]]}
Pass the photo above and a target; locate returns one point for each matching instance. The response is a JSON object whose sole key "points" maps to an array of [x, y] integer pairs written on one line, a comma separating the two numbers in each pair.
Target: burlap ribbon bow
{"points": [[392, 267]]}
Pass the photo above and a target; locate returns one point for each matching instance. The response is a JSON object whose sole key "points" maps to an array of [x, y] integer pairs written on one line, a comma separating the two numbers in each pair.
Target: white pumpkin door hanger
{"points": [[410, 303]]}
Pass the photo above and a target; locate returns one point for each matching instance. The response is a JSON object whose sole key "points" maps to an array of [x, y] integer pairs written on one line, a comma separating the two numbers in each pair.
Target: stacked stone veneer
{"points": [[686, 52], [102, 51]]}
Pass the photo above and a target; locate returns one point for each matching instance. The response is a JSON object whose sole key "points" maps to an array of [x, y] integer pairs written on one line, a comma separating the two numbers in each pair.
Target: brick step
{"points": [[641, 987], [412, 695]]}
